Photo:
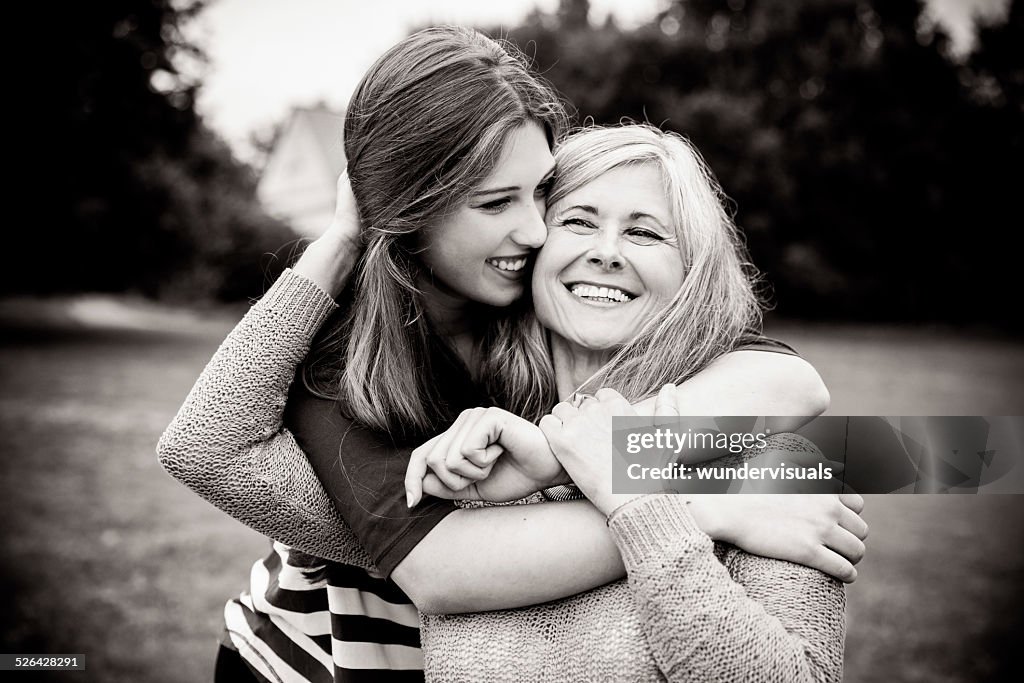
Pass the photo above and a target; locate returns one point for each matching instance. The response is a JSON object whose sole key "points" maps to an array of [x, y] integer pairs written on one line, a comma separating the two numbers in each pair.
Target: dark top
{"points": [[363, 470]]}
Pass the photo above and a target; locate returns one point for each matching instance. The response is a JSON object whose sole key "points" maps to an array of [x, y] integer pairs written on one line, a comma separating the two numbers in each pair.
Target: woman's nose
{"points": [[533, 232], [606, 255]]}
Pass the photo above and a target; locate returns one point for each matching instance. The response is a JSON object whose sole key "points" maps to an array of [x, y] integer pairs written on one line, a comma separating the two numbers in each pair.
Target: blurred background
{"points": [[872, 150]]}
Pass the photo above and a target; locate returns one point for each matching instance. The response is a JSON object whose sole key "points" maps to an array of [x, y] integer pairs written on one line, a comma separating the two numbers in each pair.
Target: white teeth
{"points": [[508, 264], [601, 293]]}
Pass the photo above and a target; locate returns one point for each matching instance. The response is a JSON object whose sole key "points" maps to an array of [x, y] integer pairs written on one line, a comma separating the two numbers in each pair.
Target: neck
{"points": [[574, 364], [450, 315]]}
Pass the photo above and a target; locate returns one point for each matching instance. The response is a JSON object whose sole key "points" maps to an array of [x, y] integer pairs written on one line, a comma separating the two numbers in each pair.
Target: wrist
{"points": [[711, 516], [328, 261], [609, 503]]}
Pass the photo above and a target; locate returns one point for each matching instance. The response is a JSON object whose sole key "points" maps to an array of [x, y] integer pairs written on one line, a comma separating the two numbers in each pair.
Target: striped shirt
{"points": [[347, 627]]}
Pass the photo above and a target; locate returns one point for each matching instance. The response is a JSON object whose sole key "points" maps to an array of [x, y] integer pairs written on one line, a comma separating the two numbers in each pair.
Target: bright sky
{"points": [[267, 56]]}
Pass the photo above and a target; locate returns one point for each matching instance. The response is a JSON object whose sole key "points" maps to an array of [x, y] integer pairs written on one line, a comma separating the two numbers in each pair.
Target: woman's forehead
{"points": [[625, 190], [525, 159]]}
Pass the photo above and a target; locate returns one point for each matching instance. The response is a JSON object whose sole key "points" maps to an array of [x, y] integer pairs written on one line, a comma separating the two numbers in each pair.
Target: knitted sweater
{"points": [[690, 610]]}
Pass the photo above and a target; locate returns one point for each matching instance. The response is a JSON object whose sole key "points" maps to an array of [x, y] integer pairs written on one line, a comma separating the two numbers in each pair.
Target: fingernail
{"points": [[408, 499]]}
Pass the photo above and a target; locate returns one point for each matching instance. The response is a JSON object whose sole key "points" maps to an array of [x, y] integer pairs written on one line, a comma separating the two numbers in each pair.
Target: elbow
{"points": [[804, 397], [426, 588], [807, 389], [430, 604], [818, 399], [167, 451], [427, 600], [180, 456]]}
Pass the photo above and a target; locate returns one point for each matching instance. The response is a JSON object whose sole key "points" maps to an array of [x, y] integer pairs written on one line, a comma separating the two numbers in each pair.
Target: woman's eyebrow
{"points": [[511, 188], [514, 188], [640, 214], [581, 207]]}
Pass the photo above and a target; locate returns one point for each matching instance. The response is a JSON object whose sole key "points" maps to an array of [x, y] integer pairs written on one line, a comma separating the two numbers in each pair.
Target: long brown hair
{"points": [[425, 126]]}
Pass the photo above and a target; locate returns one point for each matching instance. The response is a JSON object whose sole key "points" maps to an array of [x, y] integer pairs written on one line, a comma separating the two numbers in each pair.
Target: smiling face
{"points": [[481, 251], [611, 261]]}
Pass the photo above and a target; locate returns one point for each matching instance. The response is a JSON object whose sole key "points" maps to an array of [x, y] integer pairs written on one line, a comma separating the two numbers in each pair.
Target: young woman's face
{"points": [[611, 260], [481, 251]]}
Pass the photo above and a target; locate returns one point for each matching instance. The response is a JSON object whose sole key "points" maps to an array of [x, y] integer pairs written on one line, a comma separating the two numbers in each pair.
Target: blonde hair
{"points": [[424, 127], [716, 304]]}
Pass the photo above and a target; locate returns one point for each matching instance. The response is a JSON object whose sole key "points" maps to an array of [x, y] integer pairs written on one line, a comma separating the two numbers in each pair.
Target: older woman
{"points": [[638, 242]]}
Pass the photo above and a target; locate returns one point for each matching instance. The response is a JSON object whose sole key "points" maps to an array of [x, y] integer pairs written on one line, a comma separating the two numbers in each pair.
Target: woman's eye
{"points": [[544, 188], [496, 206], [579, 226], [644, 236]]}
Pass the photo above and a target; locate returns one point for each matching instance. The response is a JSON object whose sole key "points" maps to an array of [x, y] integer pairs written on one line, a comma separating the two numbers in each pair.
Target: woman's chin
{"points": [[598, 341], [498, 297]]}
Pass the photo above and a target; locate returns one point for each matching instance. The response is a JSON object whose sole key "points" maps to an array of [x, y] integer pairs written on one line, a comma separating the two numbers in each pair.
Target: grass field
{"points": [[104, 554]]}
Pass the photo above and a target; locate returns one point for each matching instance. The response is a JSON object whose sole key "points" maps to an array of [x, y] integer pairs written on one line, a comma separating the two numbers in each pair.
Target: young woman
{"points": [[448, 143]]}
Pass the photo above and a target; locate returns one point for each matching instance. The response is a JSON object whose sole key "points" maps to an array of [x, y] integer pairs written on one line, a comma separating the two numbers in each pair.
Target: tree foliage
{"points": [[870, 169], [148, 199]]}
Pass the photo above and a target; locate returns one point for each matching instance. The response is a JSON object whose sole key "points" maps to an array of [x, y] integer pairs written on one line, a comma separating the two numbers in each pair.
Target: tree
{"points": [[147, 198], [861, 159]]}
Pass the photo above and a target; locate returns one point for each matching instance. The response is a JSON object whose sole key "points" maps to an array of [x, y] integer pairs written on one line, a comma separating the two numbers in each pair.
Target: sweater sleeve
{"points": [[228, 444], [751, 619]]}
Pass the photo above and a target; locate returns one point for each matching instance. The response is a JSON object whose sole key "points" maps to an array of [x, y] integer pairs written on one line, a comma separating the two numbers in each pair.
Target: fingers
{"points": [[486, 457], [854, 501], [432, 486], [564, 411], [439, 448], [477, 438], [459, 465], [614, 402], [461, 455], [854, 523], [665, 404], [832, 563], [551, 428], [414, 474], [846, 544], [605, 395]]}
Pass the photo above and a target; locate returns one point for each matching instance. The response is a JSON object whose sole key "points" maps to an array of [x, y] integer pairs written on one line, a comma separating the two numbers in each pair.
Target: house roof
{"points": [[327, 127]]}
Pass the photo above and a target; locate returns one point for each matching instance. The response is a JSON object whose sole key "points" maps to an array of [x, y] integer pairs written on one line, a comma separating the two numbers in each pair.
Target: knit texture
{"points": [[227, 442], [690, 610]]}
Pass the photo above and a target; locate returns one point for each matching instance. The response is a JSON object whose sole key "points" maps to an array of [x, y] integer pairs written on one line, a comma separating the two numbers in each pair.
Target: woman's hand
{"points": [[328, 260], [487, 454], [824, 532], [820, 531], [581, 439]]}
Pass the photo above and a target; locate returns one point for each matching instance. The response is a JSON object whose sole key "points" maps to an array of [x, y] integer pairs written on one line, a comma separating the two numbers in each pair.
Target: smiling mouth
{"points": [[597, 293], [511, 264]]}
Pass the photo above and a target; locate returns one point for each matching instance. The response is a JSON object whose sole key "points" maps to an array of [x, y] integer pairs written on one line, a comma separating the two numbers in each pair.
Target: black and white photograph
{"points": [[542, 340]]}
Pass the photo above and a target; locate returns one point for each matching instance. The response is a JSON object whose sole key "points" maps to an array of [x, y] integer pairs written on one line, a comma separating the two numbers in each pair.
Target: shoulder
{"points": [[752, 340]]}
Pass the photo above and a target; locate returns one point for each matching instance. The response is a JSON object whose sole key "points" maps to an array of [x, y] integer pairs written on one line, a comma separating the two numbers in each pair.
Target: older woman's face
{"points": [[611, 260]]}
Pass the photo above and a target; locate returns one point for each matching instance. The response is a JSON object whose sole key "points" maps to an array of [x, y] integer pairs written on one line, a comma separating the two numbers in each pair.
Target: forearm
{"points": [[492, 558], [238, 401], [755, 383], [786, 389], [227, 443], [775, 622]]}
